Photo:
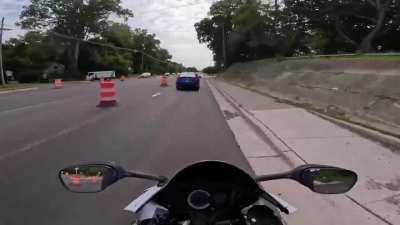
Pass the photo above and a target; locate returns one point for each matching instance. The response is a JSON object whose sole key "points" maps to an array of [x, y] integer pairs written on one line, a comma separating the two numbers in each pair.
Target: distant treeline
{"points": [[77, 37], [253, 29]]}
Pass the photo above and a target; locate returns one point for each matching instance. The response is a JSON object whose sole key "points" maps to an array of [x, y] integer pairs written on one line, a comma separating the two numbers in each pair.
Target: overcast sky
{"points": [[171, 20]]}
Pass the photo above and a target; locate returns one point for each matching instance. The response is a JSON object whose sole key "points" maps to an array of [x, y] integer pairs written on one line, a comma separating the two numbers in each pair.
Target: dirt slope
{"points": [[363, 91]]}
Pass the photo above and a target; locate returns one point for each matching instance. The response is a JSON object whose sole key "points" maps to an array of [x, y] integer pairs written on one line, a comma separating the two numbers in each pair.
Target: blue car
{"points": [[188, 81]]}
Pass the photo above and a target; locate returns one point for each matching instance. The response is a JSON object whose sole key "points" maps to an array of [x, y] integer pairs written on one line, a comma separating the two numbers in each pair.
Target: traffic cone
{"points": [[58, 84], [107, 94], [163, 81]]}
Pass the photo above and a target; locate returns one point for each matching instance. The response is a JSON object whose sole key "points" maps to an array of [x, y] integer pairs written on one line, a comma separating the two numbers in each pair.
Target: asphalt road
{"points": [[44, 130]]}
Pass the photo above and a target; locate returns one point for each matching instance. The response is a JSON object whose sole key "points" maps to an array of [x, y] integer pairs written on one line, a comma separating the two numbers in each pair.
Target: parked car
{"points": [[188, 81], [145, 75]]}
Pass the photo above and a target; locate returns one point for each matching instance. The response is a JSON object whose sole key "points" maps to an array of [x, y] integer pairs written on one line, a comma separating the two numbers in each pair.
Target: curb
{"points": [[263, 131], [388, 141], [19, 90]]}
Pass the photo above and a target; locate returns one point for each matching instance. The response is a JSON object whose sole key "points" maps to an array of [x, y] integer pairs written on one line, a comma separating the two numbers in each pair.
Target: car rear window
{"points": [[188, 75]]}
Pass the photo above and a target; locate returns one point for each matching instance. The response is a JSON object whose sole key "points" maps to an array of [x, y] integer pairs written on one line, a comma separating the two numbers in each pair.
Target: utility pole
{"points": [[1, 52], [223, 44], [142, 66]]}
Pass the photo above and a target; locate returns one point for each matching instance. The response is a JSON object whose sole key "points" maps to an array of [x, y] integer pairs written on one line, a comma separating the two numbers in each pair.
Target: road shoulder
{"points": [[13, 90]]}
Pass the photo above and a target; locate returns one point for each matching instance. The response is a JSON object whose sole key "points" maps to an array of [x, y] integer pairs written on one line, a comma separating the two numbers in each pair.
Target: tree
{"points": [[136, 42], [218, 24], [191, 69], [155, 58], [79, 19], [29, 55], [175, 67], [357, 23], [119, 35], [252, 30], [211, 70]]}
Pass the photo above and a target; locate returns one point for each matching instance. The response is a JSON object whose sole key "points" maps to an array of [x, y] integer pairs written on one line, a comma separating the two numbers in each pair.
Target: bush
{"points": [[211, 70], [28, 76]]}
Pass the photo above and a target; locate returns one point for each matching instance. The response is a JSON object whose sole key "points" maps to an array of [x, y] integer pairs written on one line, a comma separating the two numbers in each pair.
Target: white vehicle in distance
{"points": [[145, 75], [97, 75]]}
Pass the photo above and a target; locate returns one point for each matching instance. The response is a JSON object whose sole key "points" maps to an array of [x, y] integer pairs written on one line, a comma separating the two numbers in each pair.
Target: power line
{"points": [[109, 46], [101, 44]]}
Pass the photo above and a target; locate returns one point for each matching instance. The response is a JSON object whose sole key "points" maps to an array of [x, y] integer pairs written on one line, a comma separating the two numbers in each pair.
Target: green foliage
{"points": [[318, 42], [155, 58], [175, 68], [191, 69], [29, 56], [78, 18], [254, 29], [119, 63], [211, 70], [209, 30], [29, 76], [351, 25]]}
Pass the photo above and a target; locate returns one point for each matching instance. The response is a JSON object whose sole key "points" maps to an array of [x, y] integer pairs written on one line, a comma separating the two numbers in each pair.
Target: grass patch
{"points": [[389, 57], [11, 87]]}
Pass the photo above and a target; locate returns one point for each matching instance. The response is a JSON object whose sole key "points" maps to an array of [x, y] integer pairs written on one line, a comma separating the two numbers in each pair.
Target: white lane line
{"points": [[51, 137], [156, 95], [19, 90], [34, 106]]}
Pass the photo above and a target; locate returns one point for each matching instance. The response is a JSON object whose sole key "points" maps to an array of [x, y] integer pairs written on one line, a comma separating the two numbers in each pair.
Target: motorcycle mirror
{"points": [[92, 178], [89, 178], [325, 179], [319, 178]]}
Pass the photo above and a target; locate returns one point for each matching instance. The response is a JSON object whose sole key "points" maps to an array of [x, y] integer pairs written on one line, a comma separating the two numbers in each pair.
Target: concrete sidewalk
{"points": [[277, 137]]}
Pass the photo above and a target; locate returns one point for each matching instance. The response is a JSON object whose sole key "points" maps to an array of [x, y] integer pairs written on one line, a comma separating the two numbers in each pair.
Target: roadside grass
{"points": [[11, 87], [361, 57], [385, 57]]}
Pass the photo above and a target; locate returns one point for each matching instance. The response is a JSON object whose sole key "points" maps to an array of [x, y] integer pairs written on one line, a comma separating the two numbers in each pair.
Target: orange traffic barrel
{"points": [[76, 180], [163, 81], [58, 83], [107, 94], [93, 179]]}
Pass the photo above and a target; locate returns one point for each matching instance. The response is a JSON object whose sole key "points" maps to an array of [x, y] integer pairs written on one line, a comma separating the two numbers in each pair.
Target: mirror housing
{"points": [[318, 178], [325, 179], [96, 177], [90, 178]]}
